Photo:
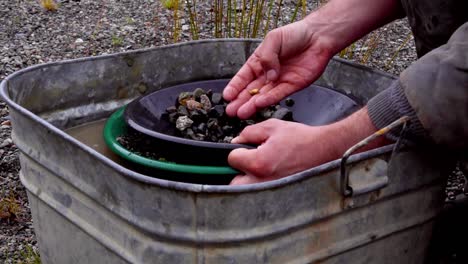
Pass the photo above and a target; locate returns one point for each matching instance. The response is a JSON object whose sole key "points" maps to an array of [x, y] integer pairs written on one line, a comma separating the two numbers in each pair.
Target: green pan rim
{"points": [[114, 127]]}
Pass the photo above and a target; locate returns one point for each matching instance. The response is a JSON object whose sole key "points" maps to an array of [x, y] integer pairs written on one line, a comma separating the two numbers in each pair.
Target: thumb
{"points": [[254, 134], [244, 179], [243, 159]]}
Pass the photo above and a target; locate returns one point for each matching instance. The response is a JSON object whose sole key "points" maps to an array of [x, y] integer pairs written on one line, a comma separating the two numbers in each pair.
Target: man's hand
{"points": [[287, 147], [294, 56], [289, 59]]}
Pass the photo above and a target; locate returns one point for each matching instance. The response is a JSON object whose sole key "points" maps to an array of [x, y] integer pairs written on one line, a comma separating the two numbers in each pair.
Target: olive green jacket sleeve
{"points": [[433, 91]]}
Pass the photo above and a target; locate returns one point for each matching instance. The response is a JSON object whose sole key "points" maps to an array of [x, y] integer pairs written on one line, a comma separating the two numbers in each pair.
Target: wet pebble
{"points": [[205, 101], [283, 114], [289, 102], [6, 142], [216, 98], [183, 122], [198, 92]]}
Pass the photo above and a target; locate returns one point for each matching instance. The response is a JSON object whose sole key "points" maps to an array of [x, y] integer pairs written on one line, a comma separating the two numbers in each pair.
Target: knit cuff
{"points": [[388, 106]]}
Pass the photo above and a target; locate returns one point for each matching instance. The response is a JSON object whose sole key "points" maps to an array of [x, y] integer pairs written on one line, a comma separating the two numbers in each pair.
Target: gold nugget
{"points": [[254, 91]]}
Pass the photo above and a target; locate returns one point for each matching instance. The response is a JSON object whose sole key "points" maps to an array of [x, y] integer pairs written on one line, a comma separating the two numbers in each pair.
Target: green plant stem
{"points": [[192, 16], [220, 18], [251, 10], [278, 12], [372, 46], [267, 22], [176, 21], [304, 8], [390, 62], [258, 17], [229, 7], [242, 28], [293, 19], [235, 20]]}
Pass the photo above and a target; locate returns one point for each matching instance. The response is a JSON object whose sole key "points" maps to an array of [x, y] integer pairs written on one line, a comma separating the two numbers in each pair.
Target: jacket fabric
{"points": [[433, 91]]}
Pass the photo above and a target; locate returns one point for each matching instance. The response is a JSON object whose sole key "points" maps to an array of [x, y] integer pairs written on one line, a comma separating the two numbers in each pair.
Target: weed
{"points": [[174, 6], [129, 20], [97, 27], [390, 62], [170, 4], [177, 25], [278, 12], [49, 5], [293, 19], [193, 18], [117, 41], [29, 256], [374, 41], [267, 22], [10, 207]]}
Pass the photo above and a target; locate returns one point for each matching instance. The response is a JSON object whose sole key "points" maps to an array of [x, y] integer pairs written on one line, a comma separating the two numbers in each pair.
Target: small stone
{"points": [[200, 136], [142, 88], [183, 122], [185, 27], [189, 133], [227, 129], [79, 41], [282, 114], [289, 102], [192, 104], [266, 113], [212, 123], [183, 97], [216, 98], [209, 93], [250, 122], [182, 110], [196, 116], [171, 109], [202, 128], [6, 123], [173, 117], [216, 111], [198, 92], [6, 142], [227, 139], [205, 101]]}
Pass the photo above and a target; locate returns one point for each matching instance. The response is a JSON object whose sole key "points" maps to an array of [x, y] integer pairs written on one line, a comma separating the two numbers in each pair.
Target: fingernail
{"points": [[271, 75], [235, 140]]}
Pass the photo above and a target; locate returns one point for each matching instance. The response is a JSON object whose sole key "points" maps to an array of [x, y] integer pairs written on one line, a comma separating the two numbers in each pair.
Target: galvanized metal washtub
{"points": [[88, 209]]}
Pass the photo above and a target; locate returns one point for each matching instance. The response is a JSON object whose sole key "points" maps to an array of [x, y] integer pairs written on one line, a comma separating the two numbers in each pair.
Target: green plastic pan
{"points": [[115, 127]]}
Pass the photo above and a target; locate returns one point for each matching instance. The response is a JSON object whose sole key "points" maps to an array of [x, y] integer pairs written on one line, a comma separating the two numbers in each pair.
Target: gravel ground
{"points": [[31, 35]]}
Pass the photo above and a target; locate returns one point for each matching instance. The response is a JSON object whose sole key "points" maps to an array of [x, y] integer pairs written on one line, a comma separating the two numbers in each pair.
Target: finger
{"points": [[247, 74], [254, 134], [249, 108], [274, 95], [268, 54], [244, 97], [245, 179]]}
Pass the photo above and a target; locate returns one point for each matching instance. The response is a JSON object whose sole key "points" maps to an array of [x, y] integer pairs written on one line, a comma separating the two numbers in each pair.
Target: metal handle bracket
{"points": [[345, 187]]}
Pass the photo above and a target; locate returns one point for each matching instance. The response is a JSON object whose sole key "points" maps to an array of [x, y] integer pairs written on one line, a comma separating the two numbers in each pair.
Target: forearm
{"points": [[341, 22], [351, 130]]}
